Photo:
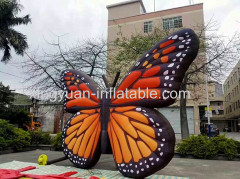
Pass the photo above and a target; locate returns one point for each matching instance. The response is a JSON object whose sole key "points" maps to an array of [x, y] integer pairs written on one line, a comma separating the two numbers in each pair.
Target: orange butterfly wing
{"points": [[159, 71], [81, 136], [80, 90], [142, 140]]}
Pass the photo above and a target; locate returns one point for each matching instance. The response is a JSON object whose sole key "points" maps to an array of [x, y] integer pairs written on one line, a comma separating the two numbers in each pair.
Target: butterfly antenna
{"points": [[116, 79], [105, 81]]}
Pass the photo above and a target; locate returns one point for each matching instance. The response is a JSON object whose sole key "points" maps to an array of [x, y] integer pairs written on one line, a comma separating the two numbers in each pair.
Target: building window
{"points": [[148, 26], [175, 22]]}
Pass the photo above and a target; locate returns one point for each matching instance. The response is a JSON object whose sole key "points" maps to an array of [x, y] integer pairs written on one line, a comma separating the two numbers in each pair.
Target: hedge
{"points": [[203, 147], [57, 142], [13, 137]]}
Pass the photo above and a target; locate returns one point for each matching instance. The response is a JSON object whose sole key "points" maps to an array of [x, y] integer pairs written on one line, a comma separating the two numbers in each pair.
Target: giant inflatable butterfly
{"points": [[142, 140]]}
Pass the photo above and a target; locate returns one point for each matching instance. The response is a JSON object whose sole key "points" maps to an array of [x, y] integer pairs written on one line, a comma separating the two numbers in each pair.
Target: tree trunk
{"points": [[183, 111], [62, 119]]}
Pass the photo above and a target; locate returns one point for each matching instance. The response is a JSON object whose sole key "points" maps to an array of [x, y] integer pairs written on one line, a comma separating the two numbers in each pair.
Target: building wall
{"points": [[125, 10], [192, 17], [232, 97], [173, 116], [50, 116]]}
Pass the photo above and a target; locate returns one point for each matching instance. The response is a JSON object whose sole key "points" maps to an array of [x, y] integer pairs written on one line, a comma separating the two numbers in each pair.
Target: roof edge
{"points": [[160, 11], [127, 2]]}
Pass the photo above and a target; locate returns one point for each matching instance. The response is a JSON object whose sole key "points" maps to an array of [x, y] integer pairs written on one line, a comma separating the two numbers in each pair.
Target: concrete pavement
{"points": [[233, 135], [193, 168]]}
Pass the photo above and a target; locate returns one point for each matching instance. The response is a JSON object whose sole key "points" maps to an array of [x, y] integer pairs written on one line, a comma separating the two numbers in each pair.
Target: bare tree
{"points": [[217, 56], [44, 71]]}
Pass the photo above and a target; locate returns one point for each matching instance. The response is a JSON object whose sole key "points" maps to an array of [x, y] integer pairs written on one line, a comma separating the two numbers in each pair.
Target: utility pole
{"points": [[154, 5], [208, 117]]}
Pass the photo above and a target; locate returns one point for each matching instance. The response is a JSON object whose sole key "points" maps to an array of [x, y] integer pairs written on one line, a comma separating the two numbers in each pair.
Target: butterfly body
{"points": [[142, 140], [105, 113]]}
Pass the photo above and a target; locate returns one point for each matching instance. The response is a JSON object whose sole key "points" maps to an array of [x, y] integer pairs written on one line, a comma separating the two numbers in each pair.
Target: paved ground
{"points": [[193, 168], [233, 135]]}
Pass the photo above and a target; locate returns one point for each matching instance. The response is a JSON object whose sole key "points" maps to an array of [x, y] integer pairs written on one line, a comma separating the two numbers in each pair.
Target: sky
{"points": [[77, 20]]}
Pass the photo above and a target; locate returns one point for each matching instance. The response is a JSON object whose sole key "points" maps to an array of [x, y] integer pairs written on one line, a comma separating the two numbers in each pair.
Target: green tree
{"points": [[8, 112], [6, 97], [9, 37]]}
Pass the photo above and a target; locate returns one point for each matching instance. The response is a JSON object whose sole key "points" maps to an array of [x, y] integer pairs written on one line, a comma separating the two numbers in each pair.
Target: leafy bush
{"points": [[15, 116], [225, 146], [57, 142], [202, 147], [6, 130], [198, 146], [3, 143], [22, 139], [11, 136], [39, 137], [238, 146]]}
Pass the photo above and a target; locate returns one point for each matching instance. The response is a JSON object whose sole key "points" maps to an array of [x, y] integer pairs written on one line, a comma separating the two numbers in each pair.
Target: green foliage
{"points": [[13, 137], [39, 137], [6, 97], [3, 143], [6, 130], [11, 114], [225, 146], [238, 146], [10, 37], [57, 142], [18, 117], [198, 146], [22, 139], [202, 147]]}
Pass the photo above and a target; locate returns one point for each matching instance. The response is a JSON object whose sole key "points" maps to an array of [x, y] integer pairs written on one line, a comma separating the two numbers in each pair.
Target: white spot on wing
{"points": [[179, 54], [166, 72], [167, 78], [138, 109], [175, 37], [151, 120], [137, 63]]}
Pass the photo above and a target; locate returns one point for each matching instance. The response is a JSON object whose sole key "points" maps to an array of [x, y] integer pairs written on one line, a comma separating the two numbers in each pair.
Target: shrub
{"points": [[11, 136], [57, 142], [202, 147], [238, 146], [6, 134], [3, 143], [6, 130], [22, 139], [198, 146], [39, 137], [16, 116], [225, 146]]}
